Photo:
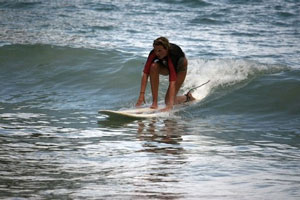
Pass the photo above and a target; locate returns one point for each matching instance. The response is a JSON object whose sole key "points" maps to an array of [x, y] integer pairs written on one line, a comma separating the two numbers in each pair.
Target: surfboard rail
{"points": [[141, 113]]}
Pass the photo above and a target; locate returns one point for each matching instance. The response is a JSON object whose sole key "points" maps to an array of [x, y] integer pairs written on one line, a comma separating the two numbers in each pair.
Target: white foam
{"points": [[20, 115], [222, 72]]}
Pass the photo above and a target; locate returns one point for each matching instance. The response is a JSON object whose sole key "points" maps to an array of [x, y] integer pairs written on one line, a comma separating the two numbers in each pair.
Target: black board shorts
{"points": [[180, 64]]}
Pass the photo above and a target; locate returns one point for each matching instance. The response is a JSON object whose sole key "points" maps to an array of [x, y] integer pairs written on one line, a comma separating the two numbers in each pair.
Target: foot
{"points": [[154, 106], [189, 97]]}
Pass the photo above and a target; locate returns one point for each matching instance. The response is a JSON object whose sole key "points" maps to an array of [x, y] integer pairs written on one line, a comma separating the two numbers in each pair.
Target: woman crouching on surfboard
{"points": [[165, 59]]}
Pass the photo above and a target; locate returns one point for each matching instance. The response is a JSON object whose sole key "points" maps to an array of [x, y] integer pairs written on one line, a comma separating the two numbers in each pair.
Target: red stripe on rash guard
{"points": [[172, 72], [150, 59]]}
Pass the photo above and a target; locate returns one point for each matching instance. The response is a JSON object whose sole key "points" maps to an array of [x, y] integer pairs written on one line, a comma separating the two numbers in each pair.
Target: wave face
{"points": [[61, 78], [51, 75], [245, 87]]}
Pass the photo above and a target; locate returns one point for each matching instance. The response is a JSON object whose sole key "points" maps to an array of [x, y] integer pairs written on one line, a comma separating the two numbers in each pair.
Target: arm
{"points": [[142, 91], [144, 81]]}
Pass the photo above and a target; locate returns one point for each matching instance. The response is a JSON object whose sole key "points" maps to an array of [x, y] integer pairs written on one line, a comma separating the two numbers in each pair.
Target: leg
{"points": [[180, 79], [155, 70]]}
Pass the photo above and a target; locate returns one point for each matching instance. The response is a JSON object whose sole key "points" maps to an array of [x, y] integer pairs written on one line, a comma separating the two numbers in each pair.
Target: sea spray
{"points": [[224, 73]]}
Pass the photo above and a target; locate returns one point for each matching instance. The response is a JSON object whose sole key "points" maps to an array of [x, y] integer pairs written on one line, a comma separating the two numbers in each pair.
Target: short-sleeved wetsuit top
{"points": [[175, 53]]}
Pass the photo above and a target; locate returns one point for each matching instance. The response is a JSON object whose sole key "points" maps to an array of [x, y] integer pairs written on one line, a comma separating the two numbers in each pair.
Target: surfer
{"points": [[165, 59]]}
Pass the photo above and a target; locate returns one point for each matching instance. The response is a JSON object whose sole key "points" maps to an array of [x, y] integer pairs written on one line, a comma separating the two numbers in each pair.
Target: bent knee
{"points": [[157, 68], [182, 65], [154, 68]]}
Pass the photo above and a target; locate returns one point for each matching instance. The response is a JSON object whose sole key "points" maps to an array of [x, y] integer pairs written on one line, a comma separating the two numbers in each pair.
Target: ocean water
{"points": [[62, 61]]}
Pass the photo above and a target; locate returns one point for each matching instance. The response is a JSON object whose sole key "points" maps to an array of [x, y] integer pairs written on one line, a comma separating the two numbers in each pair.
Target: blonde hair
{"points": [[163, 42]]}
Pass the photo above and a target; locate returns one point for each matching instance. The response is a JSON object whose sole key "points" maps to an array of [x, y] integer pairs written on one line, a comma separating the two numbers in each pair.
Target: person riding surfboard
{"points": [[165, 59]]}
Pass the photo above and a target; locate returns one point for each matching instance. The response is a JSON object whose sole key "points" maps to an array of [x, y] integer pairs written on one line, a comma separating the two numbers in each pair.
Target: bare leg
{"points": [[155, 71], [154, 80], [179, 81]]}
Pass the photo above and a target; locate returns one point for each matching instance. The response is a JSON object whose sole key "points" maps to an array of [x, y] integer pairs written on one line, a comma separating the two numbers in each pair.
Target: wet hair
{"points": [[163, 42]]}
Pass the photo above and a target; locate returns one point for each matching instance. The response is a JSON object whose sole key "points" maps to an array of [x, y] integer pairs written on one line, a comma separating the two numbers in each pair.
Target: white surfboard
{"points": [[147, 112], [139, 113]]}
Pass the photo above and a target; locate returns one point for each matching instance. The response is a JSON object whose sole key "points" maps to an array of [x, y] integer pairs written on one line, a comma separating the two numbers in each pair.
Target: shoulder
{"points": [[151, 54], [174, 46], [176, 50]]}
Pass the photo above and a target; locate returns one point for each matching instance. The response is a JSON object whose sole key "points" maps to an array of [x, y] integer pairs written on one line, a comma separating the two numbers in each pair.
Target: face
{"points": [[160, 51]]}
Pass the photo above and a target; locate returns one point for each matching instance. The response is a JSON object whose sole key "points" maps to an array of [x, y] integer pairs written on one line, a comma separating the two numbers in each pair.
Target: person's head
{"points": [[161, 47]]}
